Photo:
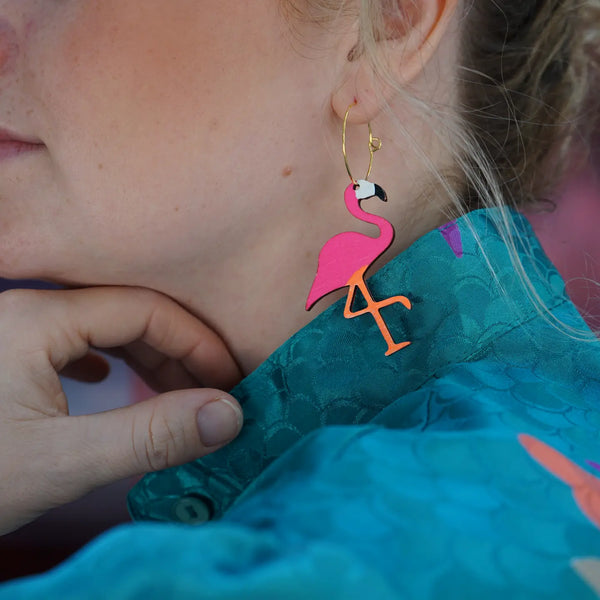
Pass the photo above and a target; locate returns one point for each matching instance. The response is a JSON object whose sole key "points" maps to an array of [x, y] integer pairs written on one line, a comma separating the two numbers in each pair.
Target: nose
{"points": [[9, 46]]}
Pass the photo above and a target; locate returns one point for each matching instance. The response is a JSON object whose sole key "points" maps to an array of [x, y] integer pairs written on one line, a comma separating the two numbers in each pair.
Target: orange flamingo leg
{"points": [[374, 308]]}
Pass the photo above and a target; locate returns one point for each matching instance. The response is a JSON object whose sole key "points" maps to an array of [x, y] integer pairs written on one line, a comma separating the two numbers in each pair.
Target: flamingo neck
{"points": [[353, 205]]}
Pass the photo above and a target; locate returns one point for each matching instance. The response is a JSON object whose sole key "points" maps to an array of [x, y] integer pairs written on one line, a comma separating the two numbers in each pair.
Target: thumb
{"points": [[167, 430]]}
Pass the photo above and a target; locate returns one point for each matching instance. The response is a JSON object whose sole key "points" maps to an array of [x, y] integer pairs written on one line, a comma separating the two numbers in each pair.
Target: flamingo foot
{"points": [[374, 308], [392, 348], [395, 300]]}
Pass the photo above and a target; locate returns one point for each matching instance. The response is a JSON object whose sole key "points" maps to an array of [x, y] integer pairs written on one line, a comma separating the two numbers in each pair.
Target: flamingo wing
{"points": [[339, 259]]}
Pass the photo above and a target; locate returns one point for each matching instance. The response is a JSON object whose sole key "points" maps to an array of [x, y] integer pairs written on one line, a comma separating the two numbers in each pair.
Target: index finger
{"points": [[68, 322]]}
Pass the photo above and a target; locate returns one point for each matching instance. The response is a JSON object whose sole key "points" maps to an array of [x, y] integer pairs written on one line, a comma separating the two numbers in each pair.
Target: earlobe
{"points": [[410, 39]]}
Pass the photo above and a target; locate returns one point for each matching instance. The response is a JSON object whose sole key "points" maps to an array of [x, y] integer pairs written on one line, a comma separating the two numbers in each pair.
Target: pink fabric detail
{"points": [[584, 486]]}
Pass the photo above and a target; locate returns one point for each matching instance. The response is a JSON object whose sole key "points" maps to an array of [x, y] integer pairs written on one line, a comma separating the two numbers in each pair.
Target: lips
{"points": [[13, 144]]}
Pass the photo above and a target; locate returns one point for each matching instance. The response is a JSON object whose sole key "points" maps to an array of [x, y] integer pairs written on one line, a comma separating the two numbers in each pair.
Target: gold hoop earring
{"points": [[345, 258], [375, 144]]}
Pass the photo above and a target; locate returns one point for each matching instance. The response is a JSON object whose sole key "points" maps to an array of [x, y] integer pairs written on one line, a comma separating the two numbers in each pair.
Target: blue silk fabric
{"points": [[364, 476]]}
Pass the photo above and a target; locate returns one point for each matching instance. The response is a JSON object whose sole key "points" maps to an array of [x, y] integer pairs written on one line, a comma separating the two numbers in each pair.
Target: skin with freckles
{"points": [[191, 147], [9, 47]]}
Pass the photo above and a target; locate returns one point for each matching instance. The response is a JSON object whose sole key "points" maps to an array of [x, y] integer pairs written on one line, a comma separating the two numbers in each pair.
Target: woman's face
{"points": [[193, 147], [170, 130]]}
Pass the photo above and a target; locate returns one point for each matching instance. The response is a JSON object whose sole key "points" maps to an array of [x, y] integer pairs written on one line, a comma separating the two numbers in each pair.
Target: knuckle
{"points": [[157, 309], [161, 443], [163, 325]]}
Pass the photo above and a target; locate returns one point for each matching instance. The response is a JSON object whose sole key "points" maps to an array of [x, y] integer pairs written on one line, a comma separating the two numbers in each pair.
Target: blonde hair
{"points": [[524, 87], [527, 74]]}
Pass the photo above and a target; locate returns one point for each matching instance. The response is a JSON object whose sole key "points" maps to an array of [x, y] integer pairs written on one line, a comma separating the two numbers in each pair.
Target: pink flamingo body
{"points": [[345, 258]]}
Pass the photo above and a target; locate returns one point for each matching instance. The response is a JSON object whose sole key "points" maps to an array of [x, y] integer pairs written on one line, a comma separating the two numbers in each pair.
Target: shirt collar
{"points": [[465, 292]]}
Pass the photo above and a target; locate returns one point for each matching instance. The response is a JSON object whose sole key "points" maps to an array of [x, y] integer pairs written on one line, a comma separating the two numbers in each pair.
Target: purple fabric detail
{"points": [[593, 464], [451, 233]]}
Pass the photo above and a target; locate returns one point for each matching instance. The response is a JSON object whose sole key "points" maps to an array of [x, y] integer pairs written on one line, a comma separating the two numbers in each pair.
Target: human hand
{"points": [[48, 458]]}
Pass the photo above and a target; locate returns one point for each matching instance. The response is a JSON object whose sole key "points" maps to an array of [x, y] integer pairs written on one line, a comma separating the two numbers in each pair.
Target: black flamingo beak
{"points": [[380, 193]]}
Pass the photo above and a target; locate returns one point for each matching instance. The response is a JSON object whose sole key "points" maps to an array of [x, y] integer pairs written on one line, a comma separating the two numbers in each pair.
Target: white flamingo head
{"points": [[366, 189]]}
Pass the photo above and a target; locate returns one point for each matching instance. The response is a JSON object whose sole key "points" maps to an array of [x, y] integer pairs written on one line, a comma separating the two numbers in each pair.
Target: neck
{"points": [[254, 298], [254, 313], [256, 310]]}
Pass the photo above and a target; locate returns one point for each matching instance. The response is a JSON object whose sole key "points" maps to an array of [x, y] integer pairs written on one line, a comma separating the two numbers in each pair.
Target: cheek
{"points": [[9, 47], [120, 99], [139, 71], [159, 150], [139, 90], [117, 80], [148, 113]]}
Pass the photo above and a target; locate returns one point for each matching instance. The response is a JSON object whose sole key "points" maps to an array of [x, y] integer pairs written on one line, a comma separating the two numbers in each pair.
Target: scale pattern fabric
{"points": [[463, 467]]}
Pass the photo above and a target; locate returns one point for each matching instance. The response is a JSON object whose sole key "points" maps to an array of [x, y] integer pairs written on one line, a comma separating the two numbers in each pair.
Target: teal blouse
{"points": [[464, 466]]}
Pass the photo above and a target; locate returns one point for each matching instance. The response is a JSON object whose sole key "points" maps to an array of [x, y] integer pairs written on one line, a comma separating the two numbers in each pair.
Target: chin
{"points": [[19, 270], [21, 257], [38, 262], [15, 271]]}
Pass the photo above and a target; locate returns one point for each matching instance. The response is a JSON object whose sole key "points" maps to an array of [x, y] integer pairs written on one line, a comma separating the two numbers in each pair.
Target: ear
{"points": [[412, 36]]}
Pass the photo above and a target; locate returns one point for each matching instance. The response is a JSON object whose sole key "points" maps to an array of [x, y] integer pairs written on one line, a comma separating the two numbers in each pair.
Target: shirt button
{"points": [[193, 510]]}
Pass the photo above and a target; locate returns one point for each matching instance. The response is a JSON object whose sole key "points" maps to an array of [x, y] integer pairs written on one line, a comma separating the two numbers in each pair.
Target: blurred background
{"points": [[570, 237]]}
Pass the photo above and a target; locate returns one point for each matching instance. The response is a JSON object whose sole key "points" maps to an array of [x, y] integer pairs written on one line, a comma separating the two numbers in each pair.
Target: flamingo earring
{"points": [[345, 258]]}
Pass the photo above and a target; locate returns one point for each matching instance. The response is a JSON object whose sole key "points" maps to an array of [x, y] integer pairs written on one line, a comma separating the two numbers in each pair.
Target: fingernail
{"points": [[219, 422]]}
